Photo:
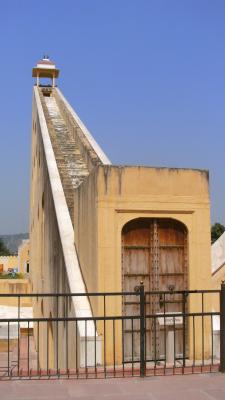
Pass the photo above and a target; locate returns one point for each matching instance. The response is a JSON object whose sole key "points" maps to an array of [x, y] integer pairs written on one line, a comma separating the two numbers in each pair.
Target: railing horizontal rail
{"points": [[158, 292], [64, 319], [110, 318], [180, 314], [68, 294], [183, 291]]}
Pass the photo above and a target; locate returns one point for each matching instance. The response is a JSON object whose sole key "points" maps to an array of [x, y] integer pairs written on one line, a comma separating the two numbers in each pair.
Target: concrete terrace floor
{"points": [[188, 387]]}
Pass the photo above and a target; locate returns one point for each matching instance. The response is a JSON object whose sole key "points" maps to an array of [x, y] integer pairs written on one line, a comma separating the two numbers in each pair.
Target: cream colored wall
{"points": [[125, 193], [9, 262]]}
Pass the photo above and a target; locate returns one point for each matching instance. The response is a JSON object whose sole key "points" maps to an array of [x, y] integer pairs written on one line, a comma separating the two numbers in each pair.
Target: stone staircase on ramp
{"points": [[71, 165]]}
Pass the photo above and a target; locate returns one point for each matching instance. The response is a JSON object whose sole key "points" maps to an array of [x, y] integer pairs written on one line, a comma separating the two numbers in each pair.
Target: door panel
{"points": [[173, 275], [136, 268]]}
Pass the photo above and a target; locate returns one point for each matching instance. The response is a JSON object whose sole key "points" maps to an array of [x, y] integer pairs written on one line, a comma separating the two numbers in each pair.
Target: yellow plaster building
{"points": [[97, 227]]}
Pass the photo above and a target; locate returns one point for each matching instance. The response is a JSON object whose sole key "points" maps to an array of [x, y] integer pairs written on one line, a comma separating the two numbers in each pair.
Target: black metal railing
{"points": [[134, 333]]}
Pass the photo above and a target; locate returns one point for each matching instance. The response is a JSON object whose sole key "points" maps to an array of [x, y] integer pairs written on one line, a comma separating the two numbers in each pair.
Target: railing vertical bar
{"points": [[174, 343], [145, 343], [57, 336], [203, 332], [132, 344], [164, 331], [28, 349], [86, 370], [212, 340], [8, 345], [18, 355], [67, 341], [142, 330], [123, 345], [104, 323], [194, 340], [38, 366], [77, 367], [222, 327], [95, 350], [155, 354], [184, 328], [47, 345], [114, 349]]}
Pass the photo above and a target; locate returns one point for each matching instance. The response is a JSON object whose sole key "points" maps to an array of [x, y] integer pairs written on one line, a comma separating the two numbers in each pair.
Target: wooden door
{"points": [[153, 251]]}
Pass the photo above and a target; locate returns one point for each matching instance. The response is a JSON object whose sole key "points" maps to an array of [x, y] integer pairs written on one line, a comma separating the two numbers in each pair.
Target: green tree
{"points": [[217, 230], [3, 249]]}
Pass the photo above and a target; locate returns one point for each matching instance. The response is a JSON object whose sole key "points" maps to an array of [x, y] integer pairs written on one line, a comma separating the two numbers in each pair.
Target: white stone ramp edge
{"points": [[102, 156], [81, 304], [218, 254]]}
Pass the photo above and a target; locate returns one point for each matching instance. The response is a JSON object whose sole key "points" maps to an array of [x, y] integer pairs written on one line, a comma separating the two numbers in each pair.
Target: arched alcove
{"points": [[154, 251]]}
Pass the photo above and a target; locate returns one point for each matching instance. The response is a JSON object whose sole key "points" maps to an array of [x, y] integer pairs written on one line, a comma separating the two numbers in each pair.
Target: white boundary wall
{"points": [[218, 254]]}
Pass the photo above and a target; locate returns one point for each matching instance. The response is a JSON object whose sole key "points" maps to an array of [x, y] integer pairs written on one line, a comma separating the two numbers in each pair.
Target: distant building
{"points": [[8, 263], [18, 263], [24, 257]]}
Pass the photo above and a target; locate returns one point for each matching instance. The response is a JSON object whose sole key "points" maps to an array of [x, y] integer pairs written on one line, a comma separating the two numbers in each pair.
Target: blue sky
{"points": [[147, 78]]}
